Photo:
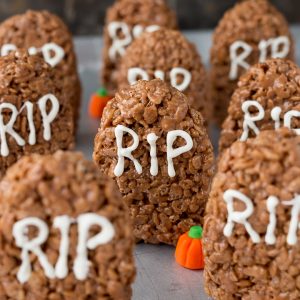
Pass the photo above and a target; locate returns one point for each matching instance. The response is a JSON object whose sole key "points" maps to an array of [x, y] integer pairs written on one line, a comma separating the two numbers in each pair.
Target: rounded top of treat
{"points": [[18, 68], [149, 104], [34, 28], [163, 50], [251, 21], [275, 82], [60, 184], [27, 76], [142, 12]]}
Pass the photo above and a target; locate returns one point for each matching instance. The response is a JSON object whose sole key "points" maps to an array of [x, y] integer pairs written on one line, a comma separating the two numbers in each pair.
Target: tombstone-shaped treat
{"points": [[35, 115], [250, 32], [125, 21], [166, 54], [65, 232], [45, 33], [251, 229], [157, 149], [267, 97]]}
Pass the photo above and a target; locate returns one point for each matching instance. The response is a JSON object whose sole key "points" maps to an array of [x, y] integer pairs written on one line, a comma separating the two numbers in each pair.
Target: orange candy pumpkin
{"points": [[97, 103], [189, 253]]}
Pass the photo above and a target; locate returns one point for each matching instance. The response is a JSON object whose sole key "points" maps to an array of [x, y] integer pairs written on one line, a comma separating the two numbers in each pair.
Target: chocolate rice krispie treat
{"points": [[45, 33], [125, 21], [251, 237], [267, 97], [166, 54], [157, 149], [35, 115], [64, 231], [250, 32]]}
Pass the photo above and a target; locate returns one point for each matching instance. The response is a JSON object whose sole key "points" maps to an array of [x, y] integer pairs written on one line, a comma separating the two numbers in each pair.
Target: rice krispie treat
{"points": [[251, 236], [166, 54], [267, 97], [250, 32], [45, 33], [125, 21], [64, 231], [35, 115], [157, 149]]}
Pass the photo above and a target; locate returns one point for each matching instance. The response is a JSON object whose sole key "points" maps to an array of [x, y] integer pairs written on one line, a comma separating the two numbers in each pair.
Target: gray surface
{"points": [[158, 276]]}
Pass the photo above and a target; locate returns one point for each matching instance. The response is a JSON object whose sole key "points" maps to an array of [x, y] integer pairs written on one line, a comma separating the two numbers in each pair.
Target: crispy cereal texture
{"points": [[250, 21], [25, 77], [36, 28], [235, 267], [64, 184], [161, 207], [273, 83], [164, 50], [131, 12]]}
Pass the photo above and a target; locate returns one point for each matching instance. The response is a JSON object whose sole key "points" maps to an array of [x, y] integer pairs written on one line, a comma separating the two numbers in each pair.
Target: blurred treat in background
{"points": [[87, 17], [249, 32], [45, 33], [168, 55], [125, 21]]}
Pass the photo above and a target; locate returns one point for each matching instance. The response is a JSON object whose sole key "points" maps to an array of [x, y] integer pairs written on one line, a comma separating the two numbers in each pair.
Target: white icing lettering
{"points": [[272, 203], [159, 74], [126, 152], [238, 60], [20, 231], [121, 37], [8, 128], [240, 50], [63, 223], [151, 139], [288, 119], [134, 73], [282, 42], [172, 153], [275, 115], [55, 59], [187, 77], [249, 121], [118, 44], [294, 224], [52, 53], [5, 49], [239, 217], [48, 118], [85, 222]]}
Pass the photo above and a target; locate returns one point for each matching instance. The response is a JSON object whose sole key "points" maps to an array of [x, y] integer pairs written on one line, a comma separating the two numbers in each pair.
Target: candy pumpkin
{"points": [[189, 253], [97, 103]]}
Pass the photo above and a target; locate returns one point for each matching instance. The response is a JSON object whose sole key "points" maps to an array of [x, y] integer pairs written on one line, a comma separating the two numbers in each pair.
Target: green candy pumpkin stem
{"points": [[102, 92], [195, 232]]}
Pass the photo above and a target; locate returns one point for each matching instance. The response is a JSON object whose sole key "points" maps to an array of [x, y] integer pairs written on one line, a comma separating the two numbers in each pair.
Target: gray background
{"points": [[86, 17]]}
